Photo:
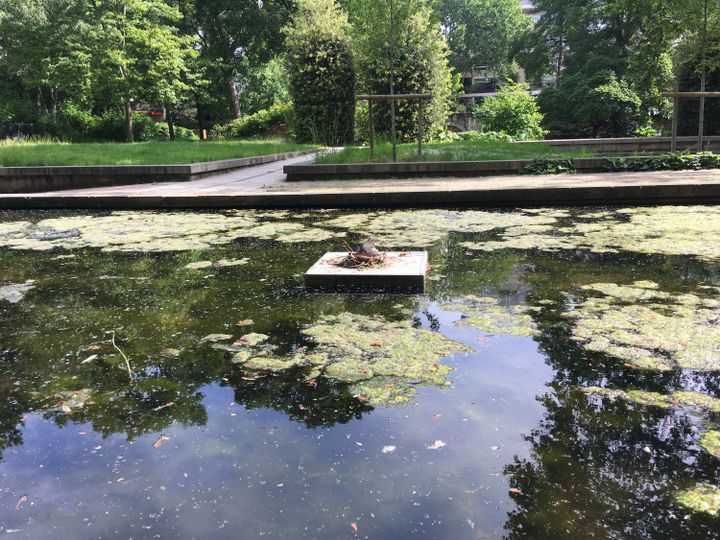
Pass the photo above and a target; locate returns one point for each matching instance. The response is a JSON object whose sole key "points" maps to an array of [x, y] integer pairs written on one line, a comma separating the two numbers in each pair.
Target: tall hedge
{"points": [[322, 75]]}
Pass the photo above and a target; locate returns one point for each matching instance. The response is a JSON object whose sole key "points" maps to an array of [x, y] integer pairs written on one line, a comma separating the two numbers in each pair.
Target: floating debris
{"points": [[70, 401], [200, 265], [216, 338]]}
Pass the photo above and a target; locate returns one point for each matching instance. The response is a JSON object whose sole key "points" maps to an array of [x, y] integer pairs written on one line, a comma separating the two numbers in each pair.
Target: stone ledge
{"points": [[419, 169], [51, 178], [639, 194]]}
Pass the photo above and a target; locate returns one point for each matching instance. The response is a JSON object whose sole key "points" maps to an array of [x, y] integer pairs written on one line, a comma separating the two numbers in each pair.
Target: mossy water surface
{"points": [[166, 371]]}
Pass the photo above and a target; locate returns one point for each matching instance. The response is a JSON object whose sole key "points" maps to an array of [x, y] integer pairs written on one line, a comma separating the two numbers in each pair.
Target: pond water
{"points": [[166, 375]]}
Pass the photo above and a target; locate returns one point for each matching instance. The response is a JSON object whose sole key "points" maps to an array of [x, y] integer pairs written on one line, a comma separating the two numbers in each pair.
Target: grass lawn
{"points": [[455, 151], [146, 153]]}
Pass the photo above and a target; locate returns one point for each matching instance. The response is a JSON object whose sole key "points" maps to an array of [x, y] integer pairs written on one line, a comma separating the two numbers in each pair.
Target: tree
{"points": [[238, 35], [699, 46], [400, 49], [42, 58], [514, 111], [137, 52], [482, 32], [610, 51], [595, 105], [320, 63]]}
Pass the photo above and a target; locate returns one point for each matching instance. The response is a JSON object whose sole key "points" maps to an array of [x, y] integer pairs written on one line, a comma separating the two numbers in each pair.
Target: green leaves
{"points": [[513, 111]]}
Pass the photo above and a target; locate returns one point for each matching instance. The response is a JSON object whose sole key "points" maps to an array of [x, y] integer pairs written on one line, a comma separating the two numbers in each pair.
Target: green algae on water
{"points": [[710, 441], [486, 314], [382, 360], [647, 328], [703, 498], [668, 230], [655, 399]]}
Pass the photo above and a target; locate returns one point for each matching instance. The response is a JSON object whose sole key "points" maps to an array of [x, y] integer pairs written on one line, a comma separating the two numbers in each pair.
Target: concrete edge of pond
{"points": [[622, 192], [429, 169], [51, 178]]}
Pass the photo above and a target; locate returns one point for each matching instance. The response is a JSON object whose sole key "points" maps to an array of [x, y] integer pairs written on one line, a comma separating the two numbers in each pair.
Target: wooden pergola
{"points": [[676, 97], [420, 98]]}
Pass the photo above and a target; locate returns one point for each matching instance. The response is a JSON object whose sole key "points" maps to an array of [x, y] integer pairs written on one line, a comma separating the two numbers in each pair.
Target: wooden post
{"points": [[393, 134], [371, 133], [673, 136], [420, 127]]}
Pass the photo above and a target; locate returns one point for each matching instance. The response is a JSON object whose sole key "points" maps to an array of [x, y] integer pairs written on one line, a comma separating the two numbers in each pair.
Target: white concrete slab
{"points": [[401, 272]]}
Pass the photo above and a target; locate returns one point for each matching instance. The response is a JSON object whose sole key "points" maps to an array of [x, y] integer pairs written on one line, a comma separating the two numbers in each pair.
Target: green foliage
{"points": [[597, 105], [400, 49], [478, 136], [684, 161], [264, 86], [482, 32], [322, 74], [276, 119], [513, 111], [549, 166], [611, 59], [667, 162]]}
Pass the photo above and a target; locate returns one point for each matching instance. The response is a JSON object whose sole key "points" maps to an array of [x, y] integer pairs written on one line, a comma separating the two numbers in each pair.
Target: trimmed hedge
{"points": [[275, 119], [322, 73]]}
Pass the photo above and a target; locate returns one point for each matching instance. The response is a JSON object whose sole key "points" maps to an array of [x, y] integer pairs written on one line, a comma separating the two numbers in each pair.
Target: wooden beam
{"points": [[395, 97]]}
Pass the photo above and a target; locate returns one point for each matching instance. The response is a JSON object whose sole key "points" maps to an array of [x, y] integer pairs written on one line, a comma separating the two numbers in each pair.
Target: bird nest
{"points": [[366, 256]]}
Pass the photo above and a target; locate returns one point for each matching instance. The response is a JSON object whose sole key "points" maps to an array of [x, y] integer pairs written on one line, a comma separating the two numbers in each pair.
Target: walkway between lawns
{"points": [[265, 187]]}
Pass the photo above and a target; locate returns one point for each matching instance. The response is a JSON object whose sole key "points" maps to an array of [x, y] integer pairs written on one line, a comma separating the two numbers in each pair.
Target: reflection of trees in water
{"points": [[319, 403], [13, 404], [589, 474]]}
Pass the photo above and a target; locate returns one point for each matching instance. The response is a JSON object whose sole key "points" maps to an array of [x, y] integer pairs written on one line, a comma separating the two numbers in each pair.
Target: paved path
{"points": [[265, 187]]}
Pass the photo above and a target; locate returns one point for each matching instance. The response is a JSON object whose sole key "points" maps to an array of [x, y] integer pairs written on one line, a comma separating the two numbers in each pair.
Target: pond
{"points": [[167, 375]]}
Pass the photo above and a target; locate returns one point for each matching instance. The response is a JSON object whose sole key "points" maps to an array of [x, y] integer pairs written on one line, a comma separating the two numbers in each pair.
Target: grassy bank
{"points": [[455, 151], [14, 154]]}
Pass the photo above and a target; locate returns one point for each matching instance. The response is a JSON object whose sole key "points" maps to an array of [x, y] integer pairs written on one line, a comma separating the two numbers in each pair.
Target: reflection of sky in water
{"points": [[248, 461], [330, 477]]}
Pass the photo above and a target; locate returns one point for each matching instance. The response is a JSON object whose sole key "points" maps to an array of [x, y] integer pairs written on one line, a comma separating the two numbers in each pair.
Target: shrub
{"points": [[512, 111], [275, 119], [322, 81]]}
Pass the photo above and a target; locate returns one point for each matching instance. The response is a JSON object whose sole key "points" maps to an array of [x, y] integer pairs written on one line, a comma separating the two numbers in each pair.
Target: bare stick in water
{"points": [[127, 362]]}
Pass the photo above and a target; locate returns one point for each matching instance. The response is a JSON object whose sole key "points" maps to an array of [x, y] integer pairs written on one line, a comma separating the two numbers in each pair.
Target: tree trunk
{"points": [[129, 137], [560, 61], [703, 78], [170, 121], [233, 101]]}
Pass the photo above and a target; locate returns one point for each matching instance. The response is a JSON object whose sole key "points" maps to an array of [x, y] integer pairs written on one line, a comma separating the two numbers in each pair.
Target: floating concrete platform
{"points": [[402, 272]]}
